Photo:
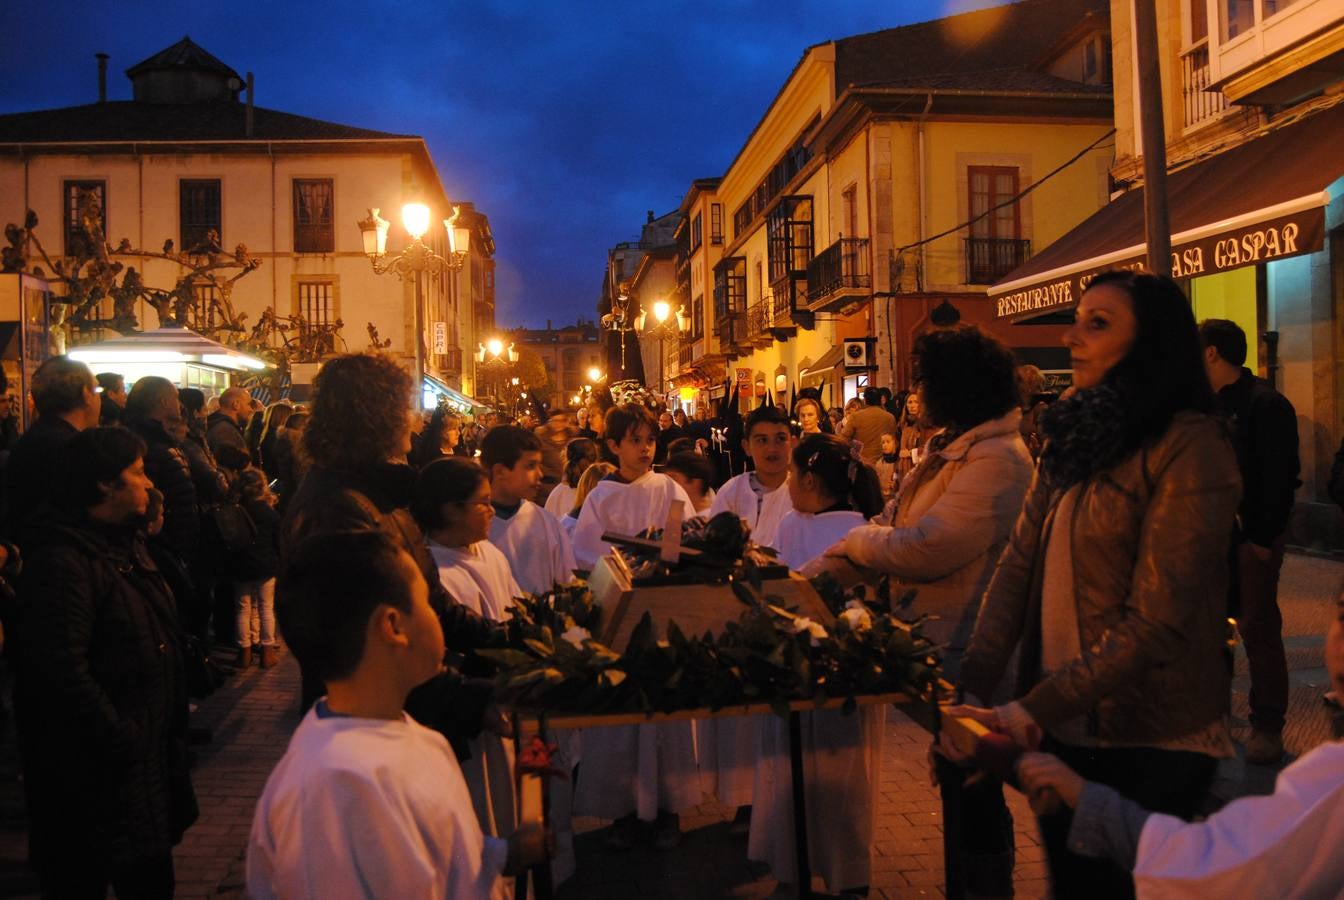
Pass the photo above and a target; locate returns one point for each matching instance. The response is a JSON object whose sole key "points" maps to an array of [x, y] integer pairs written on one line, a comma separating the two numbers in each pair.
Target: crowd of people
{"points": [[1078, 557]]}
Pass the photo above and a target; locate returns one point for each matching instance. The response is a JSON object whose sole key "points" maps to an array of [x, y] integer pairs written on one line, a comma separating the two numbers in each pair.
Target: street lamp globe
{"points": [[495, 346], [373, 229], [594, 374], [661, 310], [459, 236], [415, 216]]}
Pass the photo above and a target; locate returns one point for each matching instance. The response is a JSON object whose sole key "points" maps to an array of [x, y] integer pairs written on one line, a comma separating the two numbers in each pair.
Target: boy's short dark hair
{"points": [[58, 386], [694, 466], [330, 586], [765, 415], [1226, 337], [448, 479], [504, 445], [622, 421], [681, 445], [192, 399], [90, 459], [872, 396]]}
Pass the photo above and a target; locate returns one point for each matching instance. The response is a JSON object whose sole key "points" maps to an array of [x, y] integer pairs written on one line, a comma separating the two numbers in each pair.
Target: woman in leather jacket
{"points": [[1114, 583]]}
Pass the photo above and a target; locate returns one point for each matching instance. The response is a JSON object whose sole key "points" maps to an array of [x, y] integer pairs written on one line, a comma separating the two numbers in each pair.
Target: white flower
{"points": [[576, 636], [814, 629], [856, 616]]}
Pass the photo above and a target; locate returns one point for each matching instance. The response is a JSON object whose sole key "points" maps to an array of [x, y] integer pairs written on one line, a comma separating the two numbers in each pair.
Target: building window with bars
{"points": [[696, 233], [716, 223], [81, 197], [199, 212], [317, 303], [995, 246], [313, 215]]}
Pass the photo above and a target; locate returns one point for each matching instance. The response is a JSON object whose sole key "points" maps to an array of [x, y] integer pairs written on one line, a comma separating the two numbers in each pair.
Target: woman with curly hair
{"points": [[357, 438], [1112, 592]]}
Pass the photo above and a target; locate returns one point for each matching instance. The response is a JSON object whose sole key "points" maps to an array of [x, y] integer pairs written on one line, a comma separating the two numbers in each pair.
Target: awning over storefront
{"points": [[823, 367], [436, 391], [1256, 203]]}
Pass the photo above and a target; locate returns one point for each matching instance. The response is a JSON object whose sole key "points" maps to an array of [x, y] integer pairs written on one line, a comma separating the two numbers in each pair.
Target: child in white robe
{"points": [[580, 453], [452, 506], [760, 498], [832, 492], [366, 802], [537, 548], [633, 772], [591, 478]]}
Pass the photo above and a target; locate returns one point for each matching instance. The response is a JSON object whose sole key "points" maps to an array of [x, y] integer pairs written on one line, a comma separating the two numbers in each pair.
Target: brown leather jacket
{"points": [[1150, 541]]}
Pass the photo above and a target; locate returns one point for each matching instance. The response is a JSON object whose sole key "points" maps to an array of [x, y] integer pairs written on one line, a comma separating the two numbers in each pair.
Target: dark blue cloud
{"points": [[564, 122]]}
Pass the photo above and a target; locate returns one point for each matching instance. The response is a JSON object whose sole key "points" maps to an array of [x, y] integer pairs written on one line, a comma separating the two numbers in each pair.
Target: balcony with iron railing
{"points": [[760, 319], [989, 259], [1200, 105], [839, 275]]}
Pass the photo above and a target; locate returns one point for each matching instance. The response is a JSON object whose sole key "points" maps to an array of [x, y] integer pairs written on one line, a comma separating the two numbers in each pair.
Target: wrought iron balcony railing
{"points": [[843, 266], [989, 259]]}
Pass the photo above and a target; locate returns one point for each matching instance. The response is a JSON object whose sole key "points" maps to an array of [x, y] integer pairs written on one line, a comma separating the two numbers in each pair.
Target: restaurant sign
{"points": [[1208, 254]]}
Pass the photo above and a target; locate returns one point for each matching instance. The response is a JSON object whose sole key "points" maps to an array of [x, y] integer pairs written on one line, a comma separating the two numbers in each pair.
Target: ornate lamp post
{"points": [[494, 355], [415, 260], [662, 313]]}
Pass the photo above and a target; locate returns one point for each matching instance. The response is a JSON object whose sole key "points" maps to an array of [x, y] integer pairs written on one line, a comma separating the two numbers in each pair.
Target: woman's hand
{"points": [[1047, 781]]}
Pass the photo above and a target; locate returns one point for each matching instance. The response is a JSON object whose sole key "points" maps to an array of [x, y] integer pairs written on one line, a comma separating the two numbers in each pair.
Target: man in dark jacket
{"points": [[66, 400], [154, 413], [225, 427], [114, 397], [99, 693], [1264, 432]]}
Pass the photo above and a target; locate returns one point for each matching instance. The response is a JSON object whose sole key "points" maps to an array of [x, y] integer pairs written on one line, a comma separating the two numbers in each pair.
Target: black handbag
{"points": [[233, 527]]}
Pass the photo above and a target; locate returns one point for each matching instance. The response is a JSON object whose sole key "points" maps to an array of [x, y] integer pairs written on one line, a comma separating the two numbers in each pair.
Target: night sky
{"points": [[564, 122]]}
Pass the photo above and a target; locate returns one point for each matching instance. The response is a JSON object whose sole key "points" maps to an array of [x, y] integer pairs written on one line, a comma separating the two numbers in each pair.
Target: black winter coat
{"points": [[99, 697], [1264, 432], [261, 561], [168, 467], [31, 470]]}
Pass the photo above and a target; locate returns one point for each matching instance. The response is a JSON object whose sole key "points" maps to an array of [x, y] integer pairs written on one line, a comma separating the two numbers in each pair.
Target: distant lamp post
{"points": [[496, 359], [668, 325], [415, 260]]}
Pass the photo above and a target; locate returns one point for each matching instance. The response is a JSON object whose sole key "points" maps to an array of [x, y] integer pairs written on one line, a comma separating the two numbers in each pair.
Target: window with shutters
{"points": [[995, 246], [313, 215]]}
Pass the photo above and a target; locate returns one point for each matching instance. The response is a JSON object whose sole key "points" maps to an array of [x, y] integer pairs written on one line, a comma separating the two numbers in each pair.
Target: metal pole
{"points": [[1157, 224], [419, 341]]}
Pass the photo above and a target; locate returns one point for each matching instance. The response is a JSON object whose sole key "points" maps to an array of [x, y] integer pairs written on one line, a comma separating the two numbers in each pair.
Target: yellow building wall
{"points": [[1036, 150]]}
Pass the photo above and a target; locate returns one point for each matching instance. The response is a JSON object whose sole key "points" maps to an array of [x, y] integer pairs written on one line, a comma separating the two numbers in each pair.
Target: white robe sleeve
{"points": [[588, 544]]}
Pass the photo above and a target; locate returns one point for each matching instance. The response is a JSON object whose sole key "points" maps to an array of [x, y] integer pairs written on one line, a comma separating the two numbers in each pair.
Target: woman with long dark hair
{"points": [[1113, 587]]}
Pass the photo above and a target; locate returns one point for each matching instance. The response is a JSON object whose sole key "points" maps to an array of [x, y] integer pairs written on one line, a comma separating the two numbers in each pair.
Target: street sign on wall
{"points": [[440, 337]]}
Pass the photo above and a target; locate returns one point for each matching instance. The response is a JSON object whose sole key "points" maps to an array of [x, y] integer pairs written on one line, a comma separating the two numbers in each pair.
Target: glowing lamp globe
{"points": [[415, 216]]}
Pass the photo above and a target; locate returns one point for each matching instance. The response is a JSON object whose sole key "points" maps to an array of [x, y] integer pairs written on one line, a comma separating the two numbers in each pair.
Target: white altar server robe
{"points": [[478, 576], [369, 808], [633, 768], [561, 500], [763, 516], [842, 756], [729, 745], [537, 548], [624, 508]]}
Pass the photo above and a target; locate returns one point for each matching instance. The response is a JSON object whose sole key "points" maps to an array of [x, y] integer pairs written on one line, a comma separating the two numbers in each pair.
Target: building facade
{"points": [[571, 354], [894, 173], [1252, 97], [189, 155]]}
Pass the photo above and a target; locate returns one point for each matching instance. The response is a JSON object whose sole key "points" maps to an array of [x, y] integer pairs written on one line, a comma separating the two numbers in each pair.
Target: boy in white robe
{"points": [[533, 541], [452, 506], [760, 498], [832, 493], [644, 772], [366, 802]]}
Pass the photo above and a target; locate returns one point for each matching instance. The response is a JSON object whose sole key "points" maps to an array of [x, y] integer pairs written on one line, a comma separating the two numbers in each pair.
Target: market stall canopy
{"points": [[1261, 201], [436, 391], [169, 344]]}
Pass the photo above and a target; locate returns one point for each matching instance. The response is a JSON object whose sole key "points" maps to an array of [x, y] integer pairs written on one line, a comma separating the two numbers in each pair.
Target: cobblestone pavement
{"points": [[253, 715]]}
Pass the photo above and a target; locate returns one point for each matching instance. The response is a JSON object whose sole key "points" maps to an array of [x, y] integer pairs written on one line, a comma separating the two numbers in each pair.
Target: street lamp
{"points": [[494, 355], [667, 325], [415, 260], [594, 374]]}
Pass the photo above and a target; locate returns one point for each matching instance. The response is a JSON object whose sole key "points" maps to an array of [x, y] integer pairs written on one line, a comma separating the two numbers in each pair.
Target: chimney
{"points": [[650, 217], [249, 104], [102, 77]]}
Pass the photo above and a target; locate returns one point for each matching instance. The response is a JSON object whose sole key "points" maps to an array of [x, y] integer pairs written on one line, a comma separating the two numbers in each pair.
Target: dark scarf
{"points": [[1084, 433]]}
